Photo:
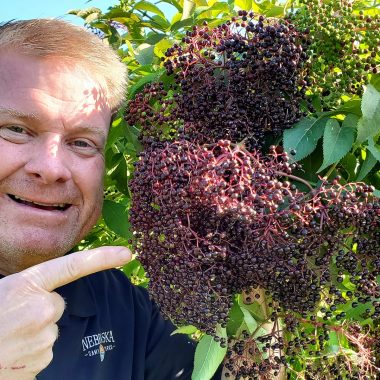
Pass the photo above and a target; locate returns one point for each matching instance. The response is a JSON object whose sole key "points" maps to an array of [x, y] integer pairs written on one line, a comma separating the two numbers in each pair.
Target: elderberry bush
{"points": [[344, 47], [243, 80], [216, 214]]}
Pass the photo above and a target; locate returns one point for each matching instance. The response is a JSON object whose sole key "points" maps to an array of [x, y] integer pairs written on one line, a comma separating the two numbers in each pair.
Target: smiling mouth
{"points": [[42, 206]]}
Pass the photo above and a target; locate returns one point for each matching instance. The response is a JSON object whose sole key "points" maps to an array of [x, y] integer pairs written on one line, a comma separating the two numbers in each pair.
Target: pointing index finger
{"points": [[58, 272]]}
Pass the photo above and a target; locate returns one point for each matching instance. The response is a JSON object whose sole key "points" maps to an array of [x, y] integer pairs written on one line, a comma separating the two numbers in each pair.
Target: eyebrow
{"points": [[92, 130], [86, 128], [19, 114]]}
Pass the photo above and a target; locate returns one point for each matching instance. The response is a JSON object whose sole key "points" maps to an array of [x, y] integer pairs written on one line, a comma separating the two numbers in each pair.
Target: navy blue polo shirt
{"points": [[111, 329]]}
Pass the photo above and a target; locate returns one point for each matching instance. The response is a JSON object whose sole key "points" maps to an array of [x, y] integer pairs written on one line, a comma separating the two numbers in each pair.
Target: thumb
{"points": [[58, 272]]}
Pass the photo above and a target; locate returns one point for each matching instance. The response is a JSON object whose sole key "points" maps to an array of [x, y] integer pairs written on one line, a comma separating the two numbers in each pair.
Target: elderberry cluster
{"points": [[214, 220], [244, 79]]}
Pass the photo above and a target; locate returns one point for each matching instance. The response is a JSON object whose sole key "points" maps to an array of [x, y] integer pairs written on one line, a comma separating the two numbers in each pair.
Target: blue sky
{"points": [[26, 9]]}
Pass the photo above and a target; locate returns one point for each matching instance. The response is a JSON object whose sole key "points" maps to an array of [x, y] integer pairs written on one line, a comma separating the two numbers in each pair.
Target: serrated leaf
{"points": [[369, 124], [190, 329], [208, 356], [367, 165], [367, 128], [249, 320], [304, 136], [337, 140], [374, 149], [150, 7], [116, 217], [371, 103]]}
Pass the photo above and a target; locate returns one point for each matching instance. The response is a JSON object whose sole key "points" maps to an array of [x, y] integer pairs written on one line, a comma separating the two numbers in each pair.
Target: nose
{"points": [[47, 162]]}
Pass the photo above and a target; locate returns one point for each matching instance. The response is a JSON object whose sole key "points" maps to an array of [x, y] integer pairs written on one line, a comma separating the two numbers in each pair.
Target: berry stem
{"points": [[298, 179]]}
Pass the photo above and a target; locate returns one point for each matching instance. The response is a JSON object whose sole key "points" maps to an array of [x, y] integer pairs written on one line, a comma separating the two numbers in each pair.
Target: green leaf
{"points": [[374, 149], [116, 217], [199, 10], [366, 129], [181, 24], [172, 2], [303, 137], [144, 80], [254, 5], [249, 320], [236, 318], [369, 124], [243, 4], [154, 38], [275, 11], [190, 329], [150, 7], [375, 81], [161, 47], [216, 8], [371, 103], [367, 165], [131, 268], [352, 106], [350, 164], [208, 356], [159, 22], [144, 54], [337, 140], [257, 311]]}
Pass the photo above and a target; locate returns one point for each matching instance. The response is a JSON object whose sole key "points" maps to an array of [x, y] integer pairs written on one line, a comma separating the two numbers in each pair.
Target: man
{"points": [[59, 86]]}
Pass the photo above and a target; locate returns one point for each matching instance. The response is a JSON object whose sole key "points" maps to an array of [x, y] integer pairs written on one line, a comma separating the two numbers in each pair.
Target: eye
{"points": [[84, 146], [15, 133], [81, 144]]}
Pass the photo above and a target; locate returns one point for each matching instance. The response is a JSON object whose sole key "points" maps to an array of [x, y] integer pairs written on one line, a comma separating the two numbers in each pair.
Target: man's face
{"points": [[53, 127]]}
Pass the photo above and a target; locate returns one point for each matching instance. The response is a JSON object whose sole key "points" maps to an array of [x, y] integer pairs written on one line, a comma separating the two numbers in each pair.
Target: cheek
{"points": [[90, 181], [12, 158]]}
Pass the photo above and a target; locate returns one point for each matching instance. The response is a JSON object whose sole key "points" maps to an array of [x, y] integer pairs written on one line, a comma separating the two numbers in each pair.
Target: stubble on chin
{"points": [[15, 257]]}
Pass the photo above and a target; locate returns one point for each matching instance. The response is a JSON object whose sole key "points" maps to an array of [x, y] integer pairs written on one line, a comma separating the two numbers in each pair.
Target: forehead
{"points": [[48, 85]]}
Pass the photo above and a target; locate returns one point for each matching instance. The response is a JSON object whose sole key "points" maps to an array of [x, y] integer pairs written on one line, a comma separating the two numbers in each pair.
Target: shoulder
{"points": [[119, 287]]}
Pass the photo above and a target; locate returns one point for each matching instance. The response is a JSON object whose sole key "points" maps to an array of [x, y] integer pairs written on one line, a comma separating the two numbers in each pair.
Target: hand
{"points": [[29, 308]]}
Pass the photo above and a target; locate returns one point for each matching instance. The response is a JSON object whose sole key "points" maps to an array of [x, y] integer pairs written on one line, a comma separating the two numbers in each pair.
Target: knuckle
{"points": [[47, 313], [73, 267], [45, 359], [45, 341]]}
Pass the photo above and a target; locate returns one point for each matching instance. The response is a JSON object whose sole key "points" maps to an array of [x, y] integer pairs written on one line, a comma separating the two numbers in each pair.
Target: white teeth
{"points": [[41, 204]]}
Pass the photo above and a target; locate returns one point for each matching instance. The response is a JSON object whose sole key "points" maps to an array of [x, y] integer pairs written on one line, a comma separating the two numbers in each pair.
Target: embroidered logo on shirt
{"points": [[98, 344]]}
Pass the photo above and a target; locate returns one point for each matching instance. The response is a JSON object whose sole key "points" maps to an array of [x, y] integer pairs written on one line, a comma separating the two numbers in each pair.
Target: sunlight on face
{"points": [[53, 148]]}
